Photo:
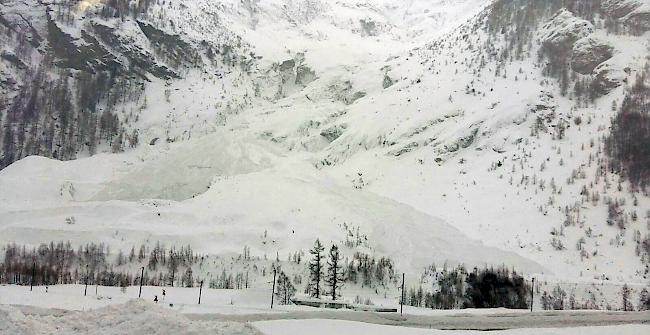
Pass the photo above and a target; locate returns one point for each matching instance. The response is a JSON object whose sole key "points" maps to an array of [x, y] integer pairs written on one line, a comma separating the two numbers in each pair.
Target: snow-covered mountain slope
{"points": [[430, 125], [279, 209]]}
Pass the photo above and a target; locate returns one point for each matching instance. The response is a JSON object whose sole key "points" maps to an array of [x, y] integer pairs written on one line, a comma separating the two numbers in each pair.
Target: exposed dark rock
{"points": [[617, 9], [604, 82], [304, 75], [387, 82], [13, 59], [85, 54], [175, 49], [332, 133], [638, 21], [138, 57]]}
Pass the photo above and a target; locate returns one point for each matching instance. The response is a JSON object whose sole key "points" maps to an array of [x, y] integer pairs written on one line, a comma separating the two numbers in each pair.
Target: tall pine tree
{"points": [[316, 269], [335, 277]]}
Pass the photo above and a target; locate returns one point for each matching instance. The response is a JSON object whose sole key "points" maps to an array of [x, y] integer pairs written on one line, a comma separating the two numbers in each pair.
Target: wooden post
{"points": [[273, 290], [141, 279], [87, 275], [31, 285], [532, 294], [200, 291], [401, 304], [172, 277]]}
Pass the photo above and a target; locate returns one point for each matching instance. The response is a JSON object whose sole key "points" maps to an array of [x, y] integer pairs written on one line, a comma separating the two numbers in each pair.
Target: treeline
{"points": [[60, 263], [481, 288]]}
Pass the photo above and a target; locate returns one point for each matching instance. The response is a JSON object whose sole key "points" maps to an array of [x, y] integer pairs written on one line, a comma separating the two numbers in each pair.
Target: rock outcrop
{"points": [[588, 53]]}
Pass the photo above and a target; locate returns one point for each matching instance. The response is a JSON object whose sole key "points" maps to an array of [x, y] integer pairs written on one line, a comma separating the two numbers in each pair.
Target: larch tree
{"points": [[335, 277], [316, 269]]}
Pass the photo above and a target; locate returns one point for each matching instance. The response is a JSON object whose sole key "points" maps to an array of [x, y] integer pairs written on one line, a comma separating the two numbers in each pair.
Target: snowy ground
{"points": [[65, 310]]}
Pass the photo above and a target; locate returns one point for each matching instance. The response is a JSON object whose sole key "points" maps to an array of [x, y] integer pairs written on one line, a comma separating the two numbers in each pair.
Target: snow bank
{"points": [[134, 317]]}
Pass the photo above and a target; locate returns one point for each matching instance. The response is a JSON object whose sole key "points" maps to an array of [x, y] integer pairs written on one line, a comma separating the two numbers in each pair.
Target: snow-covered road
{"points": [[466, 321], [327, 327], [140, 317]]}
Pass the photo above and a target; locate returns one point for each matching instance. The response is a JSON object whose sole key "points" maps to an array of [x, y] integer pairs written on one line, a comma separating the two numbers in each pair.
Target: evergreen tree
{"points": [[316, 269], [625, 298], [285, 290], [335, 277], [644, 300]]}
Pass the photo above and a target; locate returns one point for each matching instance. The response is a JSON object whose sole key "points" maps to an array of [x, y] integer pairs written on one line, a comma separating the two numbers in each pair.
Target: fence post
{"points": [[141, 279], [200, 291], [87, 275], [273, 290], [401, 304], [532, 294], [31, 285]]}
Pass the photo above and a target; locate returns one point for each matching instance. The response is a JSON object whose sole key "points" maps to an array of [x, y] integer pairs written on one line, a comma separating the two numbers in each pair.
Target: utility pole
{"points": [[200, 291], [532, 294], [273, 291], [172, 277], [401, 303], [31, 285], [87, 275], [141, 278]]}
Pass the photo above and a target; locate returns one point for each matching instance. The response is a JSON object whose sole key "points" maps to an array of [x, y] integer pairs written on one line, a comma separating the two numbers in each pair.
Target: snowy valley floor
{"points": [[64, 310]]}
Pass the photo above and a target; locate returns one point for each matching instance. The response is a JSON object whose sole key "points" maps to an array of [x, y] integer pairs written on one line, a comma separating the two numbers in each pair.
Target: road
{"points": [[551, 319]]}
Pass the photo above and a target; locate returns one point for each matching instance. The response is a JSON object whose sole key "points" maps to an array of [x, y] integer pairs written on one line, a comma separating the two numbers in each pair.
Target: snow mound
{"points": [[134, 317]]}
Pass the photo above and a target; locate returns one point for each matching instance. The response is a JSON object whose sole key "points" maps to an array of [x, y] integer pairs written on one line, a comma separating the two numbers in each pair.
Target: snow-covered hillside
{"points": [[444, 131]]}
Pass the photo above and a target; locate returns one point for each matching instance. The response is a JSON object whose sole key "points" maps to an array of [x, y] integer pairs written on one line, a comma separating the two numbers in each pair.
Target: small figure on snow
{"points": [[163, 294], [155, 298]]}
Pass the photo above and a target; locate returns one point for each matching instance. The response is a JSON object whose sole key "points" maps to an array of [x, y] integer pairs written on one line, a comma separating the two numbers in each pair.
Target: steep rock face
{"points": [[588, 53], [604, 80], [74, 77], [633, 14], [617, 9], [563, 30], [638, 20], [80, 53]]}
